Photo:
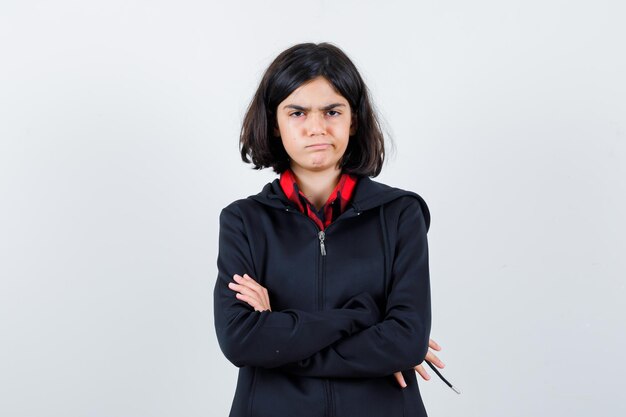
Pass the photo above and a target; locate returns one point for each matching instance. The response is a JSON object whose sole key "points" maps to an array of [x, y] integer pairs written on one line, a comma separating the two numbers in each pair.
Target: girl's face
{"points": [[315, 123]]}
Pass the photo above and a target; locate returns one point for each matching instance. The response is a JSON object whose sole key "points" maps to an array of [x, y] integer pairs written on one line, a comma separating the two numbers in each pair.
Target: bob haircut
{"points": [[365, 153]]}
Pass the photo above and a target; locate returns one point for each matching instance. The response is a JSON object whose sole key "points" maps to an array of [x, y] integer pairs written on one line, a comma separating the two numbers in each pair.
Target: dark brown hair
{"points": [[293, 67]]}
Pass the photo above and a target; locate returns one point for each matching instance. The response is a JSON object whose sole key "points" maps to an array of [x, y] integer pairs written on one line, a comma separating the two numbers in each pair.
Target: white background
{"points": [[119, 125]]}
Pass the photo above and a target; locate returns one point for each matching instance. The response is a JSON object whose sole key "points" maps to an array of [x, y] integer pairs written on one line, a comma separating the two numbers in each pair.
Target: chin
{"points": [[323, 167]]}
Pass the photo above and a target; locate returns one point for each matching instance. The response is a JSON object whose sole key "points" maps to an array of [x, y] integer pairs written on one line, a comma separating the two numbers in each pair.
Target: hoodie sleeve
{"points": [[400, 341], [273, 338]]}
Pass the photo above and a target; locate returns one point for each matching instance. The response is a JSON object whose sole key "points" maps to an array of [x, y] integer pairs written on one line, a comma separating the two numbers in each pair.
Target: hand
{"points": [[251, 292], [431, 357]]}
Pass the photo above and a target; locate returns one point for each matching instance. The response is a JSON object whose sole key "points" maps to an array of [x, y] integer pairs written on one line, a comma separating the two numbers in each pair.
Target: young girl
{"points": [[323, 294]]}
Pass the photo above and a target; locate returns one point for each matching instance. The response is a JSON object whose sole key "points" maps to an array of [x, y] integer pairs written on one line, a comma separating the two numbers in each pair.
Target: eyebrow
{"points": [[328, 107]]}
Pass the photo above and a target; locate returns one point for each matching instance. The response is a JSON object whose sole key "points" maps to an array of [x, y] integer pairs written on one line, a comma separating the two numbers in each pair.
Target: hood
{"points": [[368, 194]]}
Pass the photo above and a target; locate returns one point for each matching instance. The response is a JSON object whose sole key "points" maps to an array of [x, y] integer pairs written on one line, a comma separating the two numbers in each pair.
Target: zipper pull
{"points": [[321, 236]]}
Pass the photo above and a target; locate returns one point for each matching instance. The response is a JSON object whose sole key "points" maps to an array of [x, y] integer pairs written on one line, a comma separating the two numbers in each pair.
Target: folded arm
{"points": [[273, 338], [400, 341]]}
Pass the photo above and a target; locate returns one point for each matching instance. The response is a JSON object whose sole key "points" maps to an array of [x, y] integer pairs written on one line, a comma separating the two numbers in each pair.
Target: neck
{"points": [[316, 186]]}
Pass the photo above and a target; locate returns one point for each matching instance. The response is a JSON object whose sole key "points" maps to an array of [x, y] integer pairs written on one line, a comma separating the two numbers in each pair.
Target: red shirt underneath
{"points": [[334, 206]]}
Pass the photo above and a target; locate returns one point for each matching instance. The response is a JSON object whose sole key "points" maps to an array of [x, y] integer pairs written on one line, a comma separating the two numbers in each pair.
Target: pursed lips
{"points": [[318, 145]]}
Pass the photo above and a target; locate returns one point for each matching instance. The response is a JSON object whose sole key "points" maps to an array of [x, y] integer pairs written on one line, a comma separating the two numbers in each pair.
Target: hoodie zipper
{"points": [[322, 270], [321, 236]]}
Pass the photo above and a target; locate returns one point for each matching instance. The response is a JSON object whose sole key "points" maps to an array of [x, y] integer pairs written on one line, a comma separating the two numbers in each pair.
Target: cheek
{"points": [[289, 138], [340, 130], [289, 129]]}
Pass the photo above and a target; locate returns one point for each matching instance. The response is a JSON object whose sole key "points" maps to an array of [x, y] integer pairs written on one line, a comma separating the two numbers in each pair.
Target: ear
{"points": [[276, 132]]}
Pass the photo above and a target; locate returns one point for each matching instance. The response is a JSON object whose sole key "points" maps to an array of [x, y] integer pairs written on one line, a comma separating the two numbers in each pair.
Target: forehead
{"points": [[317, 90]]}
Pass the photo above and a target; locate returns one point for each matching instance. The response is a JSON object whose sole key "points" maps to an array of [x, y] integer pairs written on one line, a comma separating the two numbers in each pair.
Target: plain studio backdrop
{"points": [[119, 147]]}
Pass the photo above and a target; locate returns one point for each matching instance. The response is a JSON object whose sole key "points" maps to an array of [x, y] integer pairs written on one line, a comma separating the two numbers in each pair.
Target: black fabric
{"points": [[343, 320]]}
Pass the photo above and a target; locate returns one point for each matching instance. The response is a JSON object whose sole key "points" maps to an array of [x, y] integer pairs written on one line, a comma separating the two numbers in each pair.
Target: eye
{"points": [[296, 113], [333, 113]]}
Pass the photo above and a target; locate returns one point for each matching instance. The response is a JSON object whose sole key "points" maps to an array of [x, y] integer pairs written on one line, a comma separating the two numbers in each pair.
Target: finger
{"points": [[247, 296], [432, 358], [253, 302], [400, 379], [262, 292], [420, 370], [249, 282], [254, 290], [266, 298], [235, 287], [251, 297], [434, 345], [243, 289], [247, 278]]}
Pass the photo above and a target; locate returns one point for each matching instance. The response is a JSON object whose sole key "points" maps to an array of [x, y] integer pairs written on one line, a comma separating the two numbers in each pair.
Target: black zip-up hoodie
{"points": [[350, 304]]}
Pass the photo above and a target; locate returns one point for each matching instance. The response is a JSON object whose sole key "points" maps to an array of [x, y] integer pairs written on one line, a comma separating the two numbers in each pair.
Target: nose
{"points": [[316, 124]]}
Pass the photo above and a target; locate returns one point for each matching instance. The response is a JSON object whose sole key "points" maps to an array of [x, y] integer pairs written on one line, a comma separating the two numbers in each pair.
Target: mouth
{"points": [[319, 145]]}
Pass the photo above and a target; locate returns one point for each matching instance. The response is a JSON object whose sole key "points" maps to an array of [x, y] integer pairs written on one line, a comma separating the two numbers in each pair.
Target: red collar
{"points": [[334, 206]]}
